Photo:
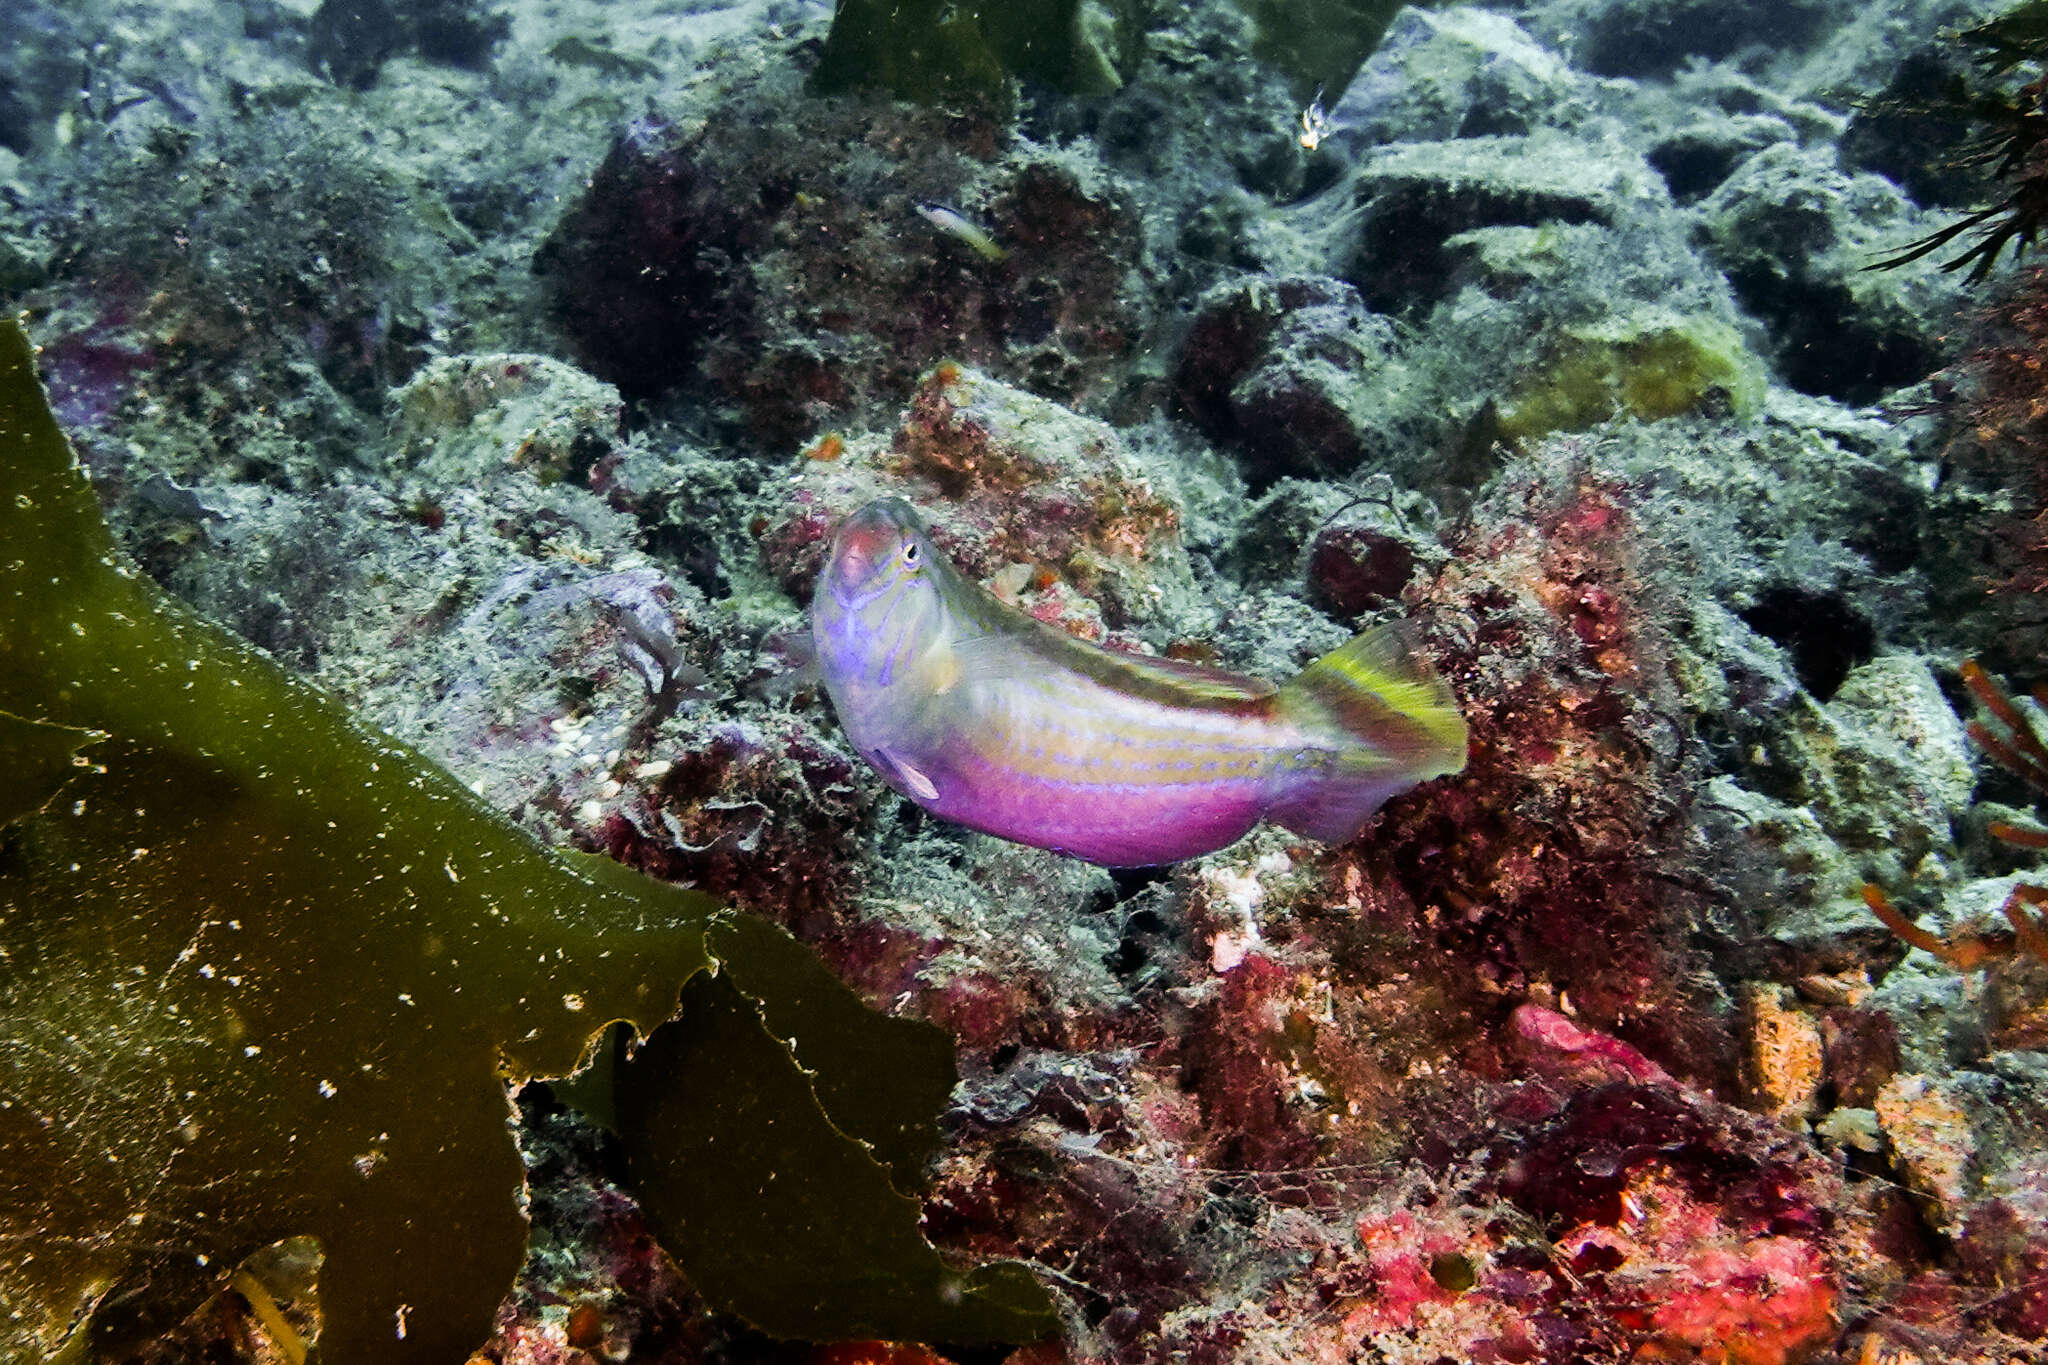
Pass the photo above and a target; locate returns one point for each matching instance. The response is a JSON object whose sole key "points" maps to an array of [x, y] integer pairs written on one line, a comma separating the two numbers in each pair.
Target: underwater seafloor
{"points": [[503, 370]]}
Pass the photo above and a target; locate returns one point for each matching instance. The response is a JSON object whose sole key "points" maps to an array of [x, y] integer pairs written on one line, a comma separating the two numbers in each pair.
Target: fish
{"points": [[1315, 123], [991, 719], [963, 230]]}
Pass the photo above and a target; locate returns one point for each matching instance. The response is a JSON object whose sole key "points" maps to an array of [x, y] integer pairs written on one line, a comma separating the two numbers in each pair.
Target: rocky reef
{"points": [[502, 370]]}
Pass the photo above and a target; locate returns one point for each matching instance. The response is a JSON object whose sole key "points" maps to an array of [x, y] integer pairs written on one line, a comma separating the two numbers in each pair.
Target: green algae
{"points": [[1318, 45], [938, 51], [1646, 368], [730, 1212], [38, 760], [264, 974]]}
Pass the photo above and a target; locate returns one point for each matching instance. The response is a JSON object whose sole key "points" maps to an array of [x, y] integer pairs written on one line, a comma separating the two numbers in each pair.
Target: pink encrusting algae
{"points": [[986, 717]]}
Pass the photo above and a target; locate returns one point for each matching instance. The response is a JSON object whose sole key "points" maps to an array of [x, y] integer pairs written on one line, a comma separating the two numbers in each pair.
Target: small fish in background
{"points": [[1315, 124], [993, 720], [963, 230]]}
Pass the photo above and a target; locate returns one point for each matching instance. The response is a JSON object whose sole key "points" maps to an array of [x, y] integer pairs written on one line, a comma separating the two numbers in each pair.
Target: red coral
{"points": [[1406, 1257], [1769, 1301], [2002, 428], [1568, 826], [1561, 1049], [1354, 568], [2004, 1247], [1698, 1229], [1237, 1062]]}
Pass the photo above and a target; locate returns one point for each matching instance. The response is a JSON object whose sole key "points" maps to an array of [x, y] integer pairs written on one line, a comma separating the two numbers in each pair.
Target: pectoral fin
{"points": [[987, 658], [908, 778]]}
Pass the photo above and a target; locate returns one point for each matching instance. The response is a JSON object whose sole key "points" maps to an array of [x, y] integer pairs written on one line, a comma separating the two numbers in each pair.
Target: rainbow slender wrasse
{"points": [[993, 720], [957, 226]]}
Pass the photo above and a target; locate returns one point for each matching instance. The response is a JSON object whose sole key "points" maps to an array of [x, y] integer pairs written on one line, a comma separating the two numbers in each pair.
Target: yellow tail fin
{"points": [[1389, 720]]}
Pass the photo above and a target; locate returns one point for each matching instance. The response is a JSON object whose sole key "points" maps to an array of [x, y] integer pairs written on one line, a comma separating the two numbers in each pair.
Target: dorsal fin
{"points": [[1186, 681], [1019, 653]]}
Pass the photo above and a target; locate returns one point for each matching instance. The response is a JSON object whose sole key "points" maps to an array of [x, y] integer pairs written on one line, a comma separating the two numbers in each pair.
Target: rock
{"points": [[1452, 73], [349, 41], [1412, 197], [1871, 782], [1823, 635], [2003, 1252], [1794, 557], [1897, 133], [22, 264], [2016, 1003], [1795, 237], [1655, 37], [1862, 1049], [650, 264], [1780, 865], [1563, 326], [2008, 1007], [1352, 569], [1051, 508], [1885, 766], [464, 418], [1298, 375], [1852, 1128], [1272, 543], [1931, 1142], [1697, 156], [749, 262], [17, 121]]}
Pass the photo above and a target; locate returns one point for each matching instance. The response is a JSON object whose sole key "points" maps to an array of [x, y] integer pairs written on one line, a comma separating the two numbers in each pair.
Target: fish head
{"points": [[881, 549], [879, 603]]}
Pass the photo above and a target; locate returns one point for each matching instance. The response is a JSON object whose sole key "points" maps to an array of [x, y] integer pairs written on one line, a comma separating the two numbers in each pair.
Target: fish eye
{"points": [[910, 553]]}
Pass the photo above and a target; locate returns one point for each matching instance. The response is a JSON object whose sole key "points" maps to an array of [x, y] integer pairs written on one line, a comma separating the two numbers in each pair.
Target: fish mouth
{"points": [[864, 540], [861, 542]]}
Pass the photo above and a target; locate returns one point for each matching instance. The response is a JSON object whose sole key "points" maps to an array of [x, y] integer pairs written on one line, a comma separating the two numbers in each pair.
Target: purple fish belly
{"points": [[1116, 824], [1063, 762]]}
